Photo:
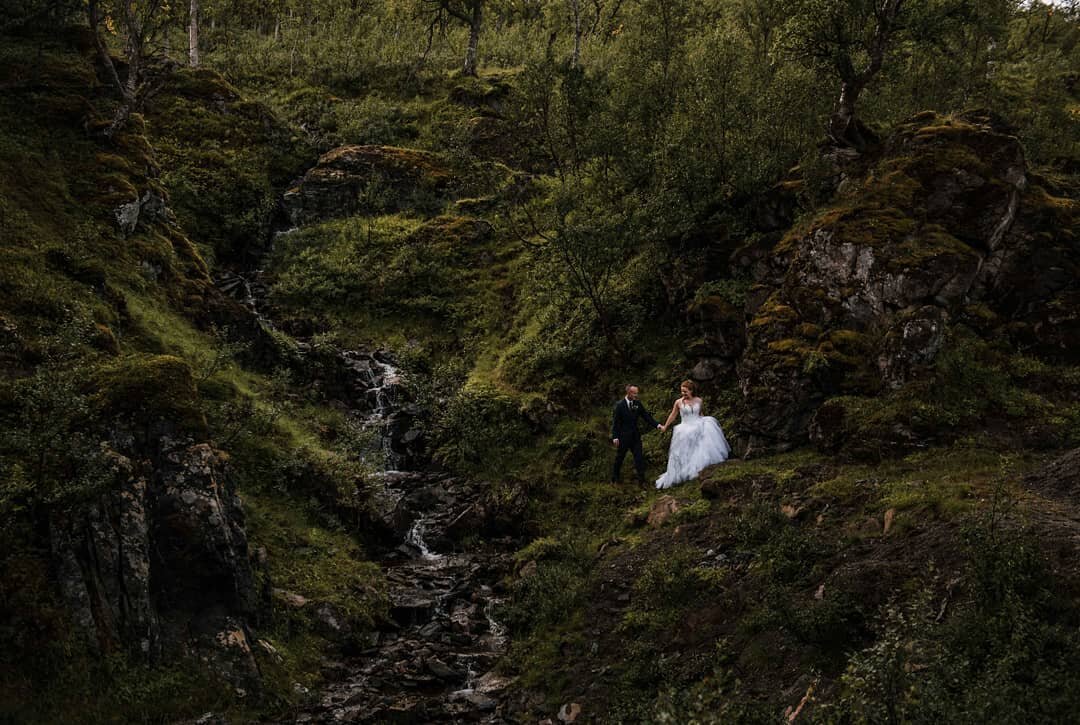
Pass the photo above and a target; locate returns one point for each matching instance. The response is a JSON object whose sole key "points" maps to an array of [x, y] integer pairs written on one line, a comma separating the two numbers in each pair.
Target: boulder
{"points": [[363, 179], [159, 564], [197, 529], [103, 565], [330, 623], [443, 671], [662, 510], [858, 299]]}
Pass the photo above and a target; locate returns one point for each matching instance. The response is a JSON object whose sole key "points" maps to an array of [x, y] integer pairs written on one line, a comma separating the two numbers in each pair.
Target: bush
{"points": [[1008, 654], [480, 429], [554, 592]]}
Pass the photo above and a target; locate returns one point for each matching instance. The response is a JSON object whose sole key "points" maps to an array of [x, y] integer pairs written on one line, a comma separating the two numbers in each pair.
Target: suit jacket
{"points": [[624, 422]]}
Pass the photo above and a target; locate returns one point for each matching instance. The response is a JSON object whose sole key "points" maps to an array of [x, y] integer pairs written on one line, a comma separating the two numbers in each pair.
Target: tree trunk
{"points": [[842, 126], [128, 90], [193, 35], [474, 38], [575, 8]]}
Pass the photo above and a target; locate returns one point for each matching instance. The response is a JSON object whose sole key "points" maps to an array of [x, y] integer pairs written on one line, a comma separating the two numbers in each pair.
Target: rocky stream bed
{"points": [[433, 661]]}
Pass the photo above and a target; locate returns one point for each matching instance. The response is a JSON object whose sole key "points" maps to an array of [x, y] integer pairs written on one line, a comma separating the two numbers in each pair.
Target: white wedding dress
{"points": [[698, 441]]}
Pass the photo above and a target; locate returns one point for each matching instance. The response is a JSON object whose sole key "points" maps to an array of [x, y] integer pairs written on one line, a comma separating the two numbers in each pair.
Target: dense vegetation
{"points": [[549, 199]]}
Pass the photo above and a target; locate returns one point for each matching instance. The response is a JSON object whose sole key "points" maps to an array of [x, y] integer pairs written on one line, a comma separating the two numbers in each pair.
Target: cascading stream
{"points": [[435, 662]]}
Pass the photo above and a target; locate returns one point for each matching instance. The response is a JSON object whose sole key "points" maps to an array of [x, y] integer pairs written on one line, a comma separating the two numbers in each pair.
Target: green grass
{"points": [[320, 563]]}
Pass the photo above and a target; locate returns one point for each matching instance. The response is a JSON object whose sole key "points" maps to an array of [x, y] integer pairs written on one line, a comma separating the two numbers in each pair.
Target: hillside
{"points": [[309, 362]]}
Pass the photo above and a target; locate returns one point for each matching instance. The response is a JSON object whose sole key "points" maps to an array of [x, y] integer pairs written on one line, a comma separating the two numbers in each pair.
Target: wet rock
{"points": [[481, 702], [493, 684], [444, 672], [407, 608], [662, 510], [569, 712], [329, 622], [461, 618]]}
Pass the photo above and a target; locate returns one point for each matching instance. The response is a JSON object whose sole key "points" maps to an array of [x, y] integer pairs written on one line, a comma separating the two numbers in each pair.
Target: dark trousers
{"points": [[633, 446]]}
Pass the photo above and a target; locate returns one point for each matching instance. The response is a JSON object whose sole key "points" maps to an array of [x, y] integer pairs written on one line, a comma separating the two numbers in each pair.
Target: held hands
{"points": [[661, 428], [615, 442]]}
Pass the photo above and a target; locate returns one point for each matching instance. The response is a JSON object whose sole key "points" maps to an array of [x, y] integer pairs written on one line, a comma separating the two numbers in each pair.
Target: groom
{"points": [[625, 435]]}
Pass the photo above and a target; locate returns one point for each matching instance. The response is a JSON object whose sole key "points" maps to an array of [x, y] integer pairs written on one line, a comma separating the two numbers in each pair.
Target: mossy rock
{"points": [[370, 179], [144, 389], [918, 229], [202, 84], [225, 159]]}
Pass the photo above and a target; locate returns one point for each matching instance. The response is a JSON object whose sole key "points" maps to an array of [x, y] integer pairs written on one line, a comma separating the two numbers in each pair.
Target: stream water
{"points": [[433, 662]]}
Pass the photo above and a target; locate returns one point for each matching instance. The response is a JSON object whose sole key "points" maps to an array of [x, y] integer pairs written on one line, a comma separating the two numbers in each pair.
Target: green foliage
{"points": [[224, 159], [719, 697], [321, 563], [972, 381], [142, 389], [50, 451], [392, 280], [543, 548], [1005, 654], [553, 593], [666, 588], [90, 688], [480, 429]]}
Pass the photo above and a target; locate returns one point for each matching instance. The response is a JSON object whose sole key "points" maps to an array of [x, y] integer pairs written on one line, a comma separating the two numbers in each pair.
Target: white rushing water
{"points": [[415, 538]]}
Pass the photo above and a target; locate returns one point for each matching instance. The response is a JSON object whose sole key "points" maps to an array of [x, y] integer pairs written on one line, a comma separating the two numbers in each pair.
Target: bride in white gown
{"points": [[698, 441]]}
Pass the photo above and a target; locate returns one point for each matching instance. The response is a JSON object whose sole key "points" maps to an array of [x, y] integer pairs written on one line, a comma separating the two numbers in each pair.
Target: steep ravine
{"points": [[433, 660]]}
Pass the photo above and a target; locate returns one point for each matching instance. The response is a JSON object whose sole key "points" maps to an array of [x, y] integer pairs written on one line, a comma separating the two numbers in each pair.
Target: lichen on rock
{"points": [[939, 220]]}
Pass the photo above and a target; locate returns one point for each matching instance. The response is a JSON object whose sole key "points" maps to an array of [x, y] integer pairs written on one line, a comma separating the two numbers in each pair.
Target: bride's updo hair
{"points": [[689, 384]]}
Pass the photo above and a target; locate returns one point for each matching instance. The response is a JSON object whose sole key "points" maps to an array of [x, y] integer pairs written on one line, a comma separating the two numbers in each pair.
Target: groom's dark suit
{"points": [[624, 426]]}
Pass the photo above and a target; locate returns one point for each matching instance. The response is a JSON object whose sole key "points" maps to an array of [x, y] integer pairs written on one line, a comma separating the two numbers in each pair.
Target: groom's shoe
{"points": [[642, 483]]}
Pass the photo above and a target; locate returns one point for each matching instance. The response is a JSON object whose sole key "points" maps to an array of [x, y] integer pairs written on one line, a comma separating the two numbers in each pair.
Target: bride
{"points": [[698, 441]]}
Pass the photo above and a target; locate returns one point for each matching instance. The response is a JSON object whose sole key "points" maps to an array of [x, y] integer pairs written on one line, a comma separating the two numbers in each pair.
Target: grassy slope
{"points": [[616, 612], [65, 266], [803, 589]]}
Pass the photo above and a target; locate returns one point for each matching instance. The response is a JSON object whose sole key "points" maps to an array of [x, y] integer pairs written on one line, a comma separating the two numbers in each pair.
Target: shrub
{"points": [[480, 428], [1007, 654]]}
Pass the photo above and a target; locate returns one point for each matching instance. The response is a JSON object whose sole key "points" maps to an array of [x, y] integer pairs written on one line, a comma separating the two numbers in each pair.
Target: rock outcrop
{"points": [[352, 179], [158, 565], [860, 299]]}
